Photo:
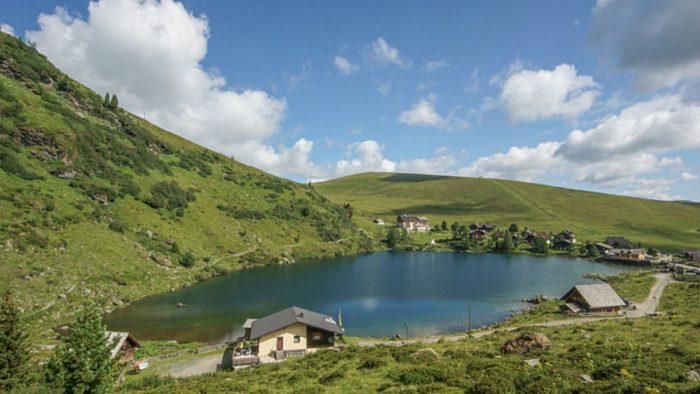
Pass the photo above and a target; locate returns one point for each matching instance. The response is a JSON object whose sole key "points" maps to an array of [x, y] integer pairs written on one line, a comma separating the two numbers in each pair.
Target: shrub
{"points": [[149, 382], [168, 195], [333, 376], [117, 226], [187, 260], [36, 239], [10, 164], [373, 362]]}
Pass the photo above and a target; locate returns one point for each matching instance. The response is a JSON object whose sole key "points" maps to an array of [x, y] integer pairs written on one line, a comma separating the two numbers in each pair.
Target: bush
{"points": [[10, 164], [373, 362], [334, 375], [117, 226], [36, 239], [149, 382], [170, 196], [187, 260]]}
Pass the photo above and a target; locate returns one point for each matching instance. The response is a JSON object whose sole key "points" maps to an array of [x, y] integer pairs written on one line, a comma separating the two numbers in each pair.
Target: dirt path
{"points": [[233, 255], [648, 306], [196, 367]]}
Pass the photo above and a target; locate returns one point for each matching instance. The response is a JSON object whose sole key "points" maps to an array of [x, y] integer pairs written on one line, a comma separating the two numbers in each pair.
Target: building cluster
{"points": [[413, 223]]}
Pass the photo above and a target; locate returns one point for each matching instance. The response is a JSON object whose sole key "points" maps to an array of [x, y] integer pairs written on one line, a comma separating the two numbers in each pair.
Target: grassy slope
{"points": [[55, 237], [591, 215]]}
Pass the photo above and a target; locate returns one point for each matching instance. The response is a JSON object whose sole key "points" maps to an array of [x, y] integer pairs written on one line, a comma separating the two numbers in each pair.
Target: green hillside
{"points": [[592, 216], [94, 200]]}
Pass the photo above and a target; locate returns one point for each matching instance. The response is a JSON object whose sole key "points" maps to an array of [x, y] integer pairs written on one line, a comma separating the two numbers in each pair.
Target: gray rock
{"points": [[532, 363], [525, 343], [583, 378], [694, 376]]}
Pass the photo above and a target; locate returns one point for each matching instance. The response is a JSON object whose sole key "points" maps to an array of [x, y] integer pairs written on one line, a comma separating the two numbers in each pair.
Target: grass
{"points": [[592, 216], [651, 354], [99, 202]]}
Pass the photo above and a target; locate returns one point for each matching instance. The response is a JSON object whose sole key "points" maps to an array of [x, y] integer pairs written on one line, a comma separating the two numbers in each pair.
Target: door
{"points": [[280, 343]]}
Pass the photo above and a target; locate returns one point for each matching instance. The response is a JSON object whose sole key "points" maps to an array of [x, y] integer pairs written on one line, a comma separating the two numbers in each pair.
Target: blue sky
{"points": [[598, 96]]}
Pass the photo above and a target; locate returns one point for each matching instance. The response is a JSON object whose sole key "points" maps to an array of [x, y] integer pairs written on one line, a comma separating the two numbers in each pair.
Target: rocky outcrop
{"points": [[526, 343]]}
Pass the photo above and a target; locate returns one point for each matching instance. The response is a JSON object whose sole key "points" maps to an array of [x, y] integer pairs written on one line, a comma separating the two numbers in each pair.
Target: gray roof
{"points": [[248, 323], [116, 339], [600, 295], [293, 315]]}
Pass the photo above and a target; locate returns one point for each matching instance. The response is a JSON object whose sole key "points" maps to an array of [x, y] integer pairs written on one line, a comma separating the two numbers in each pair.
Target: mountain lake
{"points": [[380, 294]]}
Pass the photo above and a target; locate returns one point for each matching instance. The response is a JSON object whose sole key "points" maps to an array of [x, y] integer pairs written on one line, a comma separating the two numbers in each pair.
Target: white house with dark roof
{"points": [[292, 332], [413, 223]]}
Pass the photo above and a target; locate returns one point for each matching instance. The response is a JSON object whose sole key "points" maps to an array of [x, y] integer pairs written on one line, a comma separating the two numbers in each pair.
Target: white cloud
{"points": [[522, 163], [344, 66], [5, 28], [656, 40], [150, 54], [434, 65], [614, 153], [619, 170], [422, 113], [687, 176], [529, 95], [294, 160], [368, 156], [662, 124], [473, 85], [385, 54], [656, 188], [296, 81]]}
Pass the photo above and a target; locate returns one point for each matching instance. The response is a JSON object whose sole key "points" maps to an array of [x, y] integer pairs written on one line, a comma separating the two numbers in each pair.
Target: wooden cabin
{"points": [[122, 345], [596, 298]]}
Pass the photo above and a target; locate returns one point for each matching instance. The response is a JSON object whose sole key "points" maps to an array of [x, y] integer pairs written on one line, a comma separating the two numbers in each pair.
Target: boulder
{"points": [[525, 343], [583, 378], [694, 376], [532, 363]]}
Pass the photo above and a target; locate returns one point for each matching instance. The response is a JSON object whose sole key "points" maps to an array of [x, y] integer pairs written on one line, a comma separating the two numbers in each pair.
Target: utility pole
{"points": [[405, 326]]}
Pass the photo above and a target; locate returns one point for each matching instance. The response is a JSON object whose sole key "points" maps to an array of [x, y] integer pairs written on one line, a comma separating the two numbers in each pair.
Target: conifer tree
{"points": [[114, 103], [13, 346], [82, 363], [105, 102]]}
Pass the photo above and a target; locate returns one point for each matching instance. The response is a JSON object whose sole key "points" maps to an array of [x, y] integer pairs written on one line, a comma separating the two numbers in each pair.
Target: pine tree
{"points": [[392, 237], [114, 103], [105, 102], [82, 363], [13, 346], [444, 225]]}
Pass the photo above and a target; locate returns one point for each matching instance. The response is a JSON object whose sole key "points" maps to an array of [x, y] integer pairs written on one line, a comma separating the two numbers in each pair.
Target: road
{"points": [[200, 366], [648, 306]]}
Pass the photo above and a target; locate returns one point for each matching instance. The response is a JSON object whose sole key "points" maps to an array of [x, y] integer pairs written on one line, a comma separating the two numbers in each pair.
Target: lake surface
{"points": [[380, 294]]}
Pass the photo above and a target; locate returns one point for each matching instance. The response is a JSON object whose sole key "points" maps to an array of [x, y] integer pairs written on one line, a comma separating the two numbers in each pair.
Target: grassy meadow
{"points": [[592, 216]]}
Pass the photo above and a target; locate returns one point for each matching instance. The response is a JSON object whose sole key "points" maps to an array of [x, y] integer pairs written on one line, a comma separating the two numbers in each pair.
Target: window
{"points": [[297, 339]]}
